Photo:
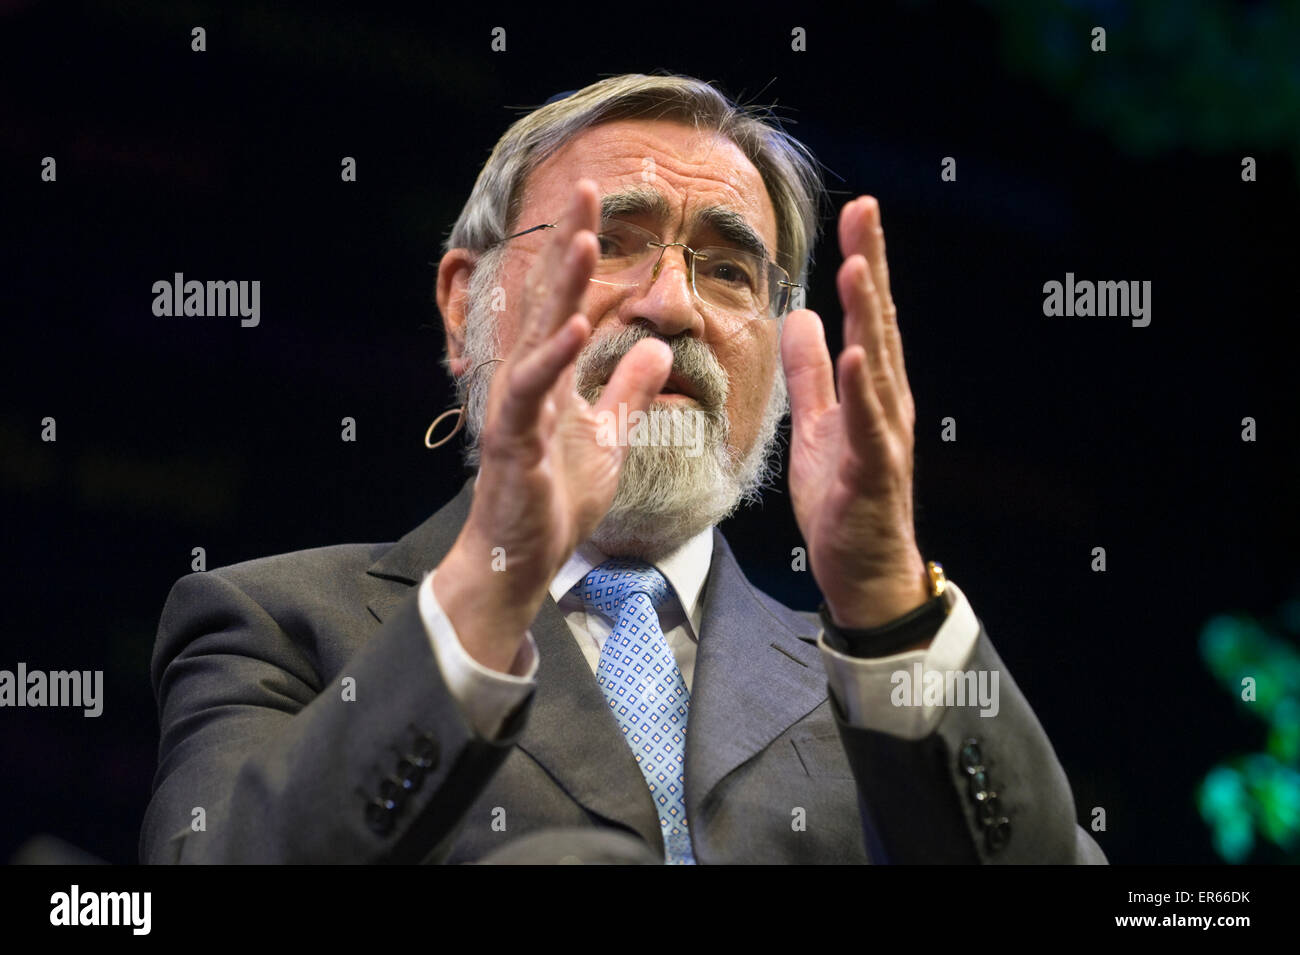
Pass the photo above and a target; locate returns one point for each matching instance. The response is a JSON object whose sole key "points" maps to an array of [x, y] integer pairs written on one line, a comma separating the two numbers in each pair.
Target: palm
{"points": [[547, 486], [841, 498], [545, 480], [815, 450]]}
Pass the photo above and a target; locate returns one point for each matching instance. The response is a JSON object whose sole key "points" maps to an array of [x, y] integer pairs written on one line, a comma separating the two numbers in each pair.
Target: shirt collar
{"points": [[685, 569]]}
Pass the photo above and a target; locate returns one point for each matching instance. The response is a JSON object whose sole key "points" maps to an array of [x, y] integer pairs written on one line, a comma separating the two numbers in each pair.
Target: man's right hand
{"points": [[544, 480]]}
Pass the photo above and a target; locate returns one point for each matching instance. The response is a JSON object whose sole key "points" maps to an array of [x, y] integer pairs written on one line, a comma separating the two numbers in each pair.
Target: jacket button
{"points": [[395, 789], [427, 751], [970, 759], [410, 772], [998, 834], [979, 784], [989, 808], [380, 814]]}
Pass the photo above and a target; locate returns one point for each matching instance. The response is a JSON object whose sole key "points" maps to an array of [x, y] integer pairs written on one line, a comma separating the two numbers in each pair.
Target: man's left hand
{"points": [[851, 458]]}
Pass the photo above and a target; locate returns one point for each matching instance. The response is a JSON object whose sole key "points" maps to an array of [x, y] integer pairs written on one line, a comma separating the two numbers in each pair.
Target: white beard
{"points": [[666, 495]]}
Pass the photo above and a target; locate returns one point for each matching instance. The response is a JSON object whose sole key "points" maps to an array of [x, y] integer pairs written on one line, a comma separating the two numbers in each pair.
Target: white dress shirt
{"points": [[487, 696]]}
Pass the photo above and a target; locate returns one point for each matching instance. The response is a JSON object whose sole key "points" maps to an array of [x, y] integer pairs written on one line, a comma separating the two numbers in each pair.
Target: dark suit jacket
{"points": [[251, 668]]}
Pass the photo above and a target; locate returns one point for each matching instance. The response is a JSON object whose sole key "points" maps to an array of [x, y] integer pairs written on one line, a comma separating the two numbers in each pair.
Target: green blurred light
{"points": [[1225, 806], [1214, 76], [1257, 794]]}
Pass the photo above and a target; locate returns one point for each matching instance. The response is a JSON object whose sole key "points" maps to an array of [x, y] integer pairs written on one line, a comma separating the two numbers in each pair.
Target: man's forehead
{"points": [[691, 169]]}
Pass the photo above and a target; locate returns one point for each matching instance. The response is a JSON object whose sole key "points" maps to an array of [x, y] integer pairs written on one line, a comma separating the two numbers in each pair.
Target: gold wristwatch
{"points": [[935, 576], [916, 627]]}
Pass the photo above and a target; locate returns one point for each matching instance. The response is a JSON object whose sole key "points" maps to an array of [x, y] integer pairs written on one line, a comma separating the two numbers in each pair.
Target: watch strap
{"points": [[918, 626]]}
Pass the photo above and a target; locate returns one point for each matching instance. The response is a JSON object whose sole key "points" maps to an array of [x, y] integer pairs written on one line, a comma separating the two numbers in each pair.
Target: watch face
{"points": [[938, 580]]}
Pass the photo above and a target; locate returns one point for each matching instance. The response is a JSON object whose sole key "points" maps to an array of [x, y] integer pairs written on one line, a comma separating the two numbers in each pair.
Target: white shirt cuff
{"points": [[485, 696], [879, 693]]}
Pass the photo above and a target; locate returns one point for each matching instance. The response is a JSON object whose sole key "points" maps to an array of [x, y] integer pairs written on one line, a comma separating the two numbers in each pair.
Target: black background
{"points": [[1072, 433]]}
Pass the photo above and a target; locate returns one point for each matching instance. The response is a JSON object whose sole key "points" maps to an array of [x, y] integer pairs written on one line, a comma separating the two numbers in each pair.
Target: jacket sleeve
{"points": [[260, 762], [977, 789]]}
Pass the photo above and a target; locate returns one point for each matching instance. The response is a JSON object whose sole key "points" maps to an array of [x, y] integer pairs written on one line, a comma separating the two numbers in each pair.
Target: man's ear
{"points": [[453, 283]]}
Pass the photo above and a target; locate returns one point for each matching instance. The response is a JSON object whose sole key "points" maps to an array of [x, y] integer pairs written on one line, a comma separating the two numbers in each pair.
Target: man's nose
{"points": [[665, 299]]}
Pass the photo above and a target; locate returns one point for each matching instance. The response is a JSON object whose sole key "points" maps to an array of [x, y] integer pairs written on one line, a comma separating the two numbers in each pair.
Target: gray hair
{"points": [[788, 168]]}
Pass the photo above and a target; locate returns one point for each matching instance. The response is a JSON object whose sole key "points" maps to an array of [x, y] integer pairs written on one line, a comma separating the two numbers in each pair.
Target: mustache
{"points": [[693, 362]]}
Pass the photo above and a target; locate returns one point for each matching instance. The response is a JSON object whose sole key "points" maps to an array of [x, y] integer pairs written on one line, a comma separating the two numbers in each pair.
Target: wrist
{"points": [[876, 603], [913, 631], [488, 612]]}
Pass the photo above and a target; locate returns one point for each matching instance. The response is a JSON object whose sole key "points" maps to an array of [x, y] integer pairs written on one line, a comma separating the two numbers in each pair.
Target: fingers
{"points": [[864, 415], [553, 327], [863, 328], [807, 362], [531, 376], [640, 376], [557, 281], [861, 233]]}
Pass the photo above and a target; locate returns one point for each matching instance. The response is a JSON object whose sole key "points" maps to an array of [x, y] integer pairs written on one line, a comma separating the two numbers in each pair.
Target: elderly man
{"points": [[566, 661]]}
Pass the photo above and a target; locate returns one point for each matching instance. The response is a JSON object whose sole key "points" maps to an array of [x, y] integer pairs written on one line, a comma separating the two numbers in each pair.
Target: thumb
{"points": [[640, 376], [809, 373]]}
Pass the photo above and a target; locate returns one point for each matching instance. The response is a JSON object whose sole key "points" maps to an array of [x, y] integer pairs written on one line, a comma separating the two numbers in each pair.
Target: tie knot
{"points": [[609, 586]]}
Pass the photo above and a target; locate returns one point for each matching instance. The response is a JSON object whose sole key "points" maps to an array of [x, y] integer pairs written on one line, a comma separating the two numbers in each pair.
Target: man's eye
{"points": [[612, 245], [729, 272]]}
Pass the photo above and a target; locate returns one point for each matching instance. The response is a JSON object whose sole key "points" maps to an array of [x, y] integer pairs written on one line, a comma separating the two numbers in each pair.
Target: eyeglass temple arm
{"points": [[544, 225]]}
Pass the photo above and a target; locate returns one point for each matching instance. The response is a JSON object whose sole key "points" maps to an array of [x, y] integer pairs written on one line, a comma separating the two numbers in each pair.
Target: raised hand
{"points": [[545, 481], [851, 457]]}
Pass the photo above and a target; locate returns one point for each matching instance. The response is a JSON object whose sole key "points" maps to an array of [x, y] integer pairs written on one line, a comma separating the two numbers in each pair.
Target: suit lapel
{"points": [[576, 739], [757, 672], [418, 552], [570, 731]]}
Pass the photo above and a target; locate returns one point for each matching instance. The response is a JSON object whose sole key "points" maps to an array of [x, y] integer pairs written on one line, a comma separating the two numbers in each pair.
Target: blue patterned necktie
{"points": [[639, 676]]}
